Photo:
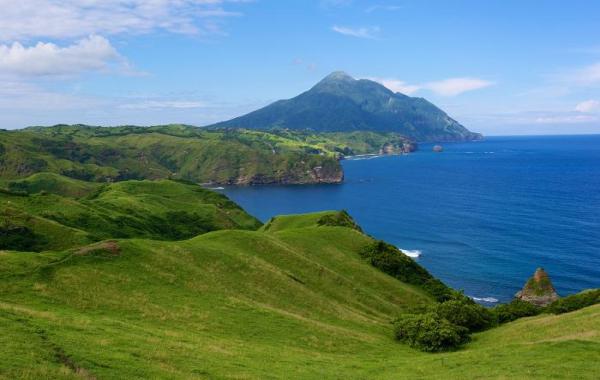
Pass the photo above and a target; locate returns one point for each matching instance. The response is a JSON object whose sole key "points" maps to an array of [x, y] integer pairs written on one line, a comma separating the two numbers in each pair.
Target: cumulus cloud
{"points": [[47, 59], [58, 19], [588, 106], [361, 32], [446, 87]]}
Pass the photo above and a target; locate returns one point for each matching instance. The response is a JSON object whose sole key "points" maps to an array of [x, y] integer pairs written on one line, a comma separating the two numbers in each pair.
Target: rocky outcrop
{"points": [[538, 290], [327, 173], [397, 147]]}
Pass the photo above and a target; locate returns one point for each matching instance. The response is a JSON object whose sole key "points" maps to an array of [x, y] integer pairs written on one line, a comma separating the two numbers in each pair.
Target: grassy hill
{"points": [[293, 300], [172, 151], [49, 211], [217, 156]]}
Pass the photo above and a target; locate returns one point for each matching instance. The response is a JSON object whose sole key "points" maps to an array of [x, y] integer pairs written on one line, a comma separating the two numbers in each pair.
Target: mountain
{"points": [[340, 103]]}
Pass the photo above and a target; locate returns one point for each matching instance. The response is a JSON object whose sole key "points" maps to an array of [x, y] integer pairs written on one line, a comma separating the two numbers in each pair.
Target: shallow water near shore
{"points": [[481, 216]]}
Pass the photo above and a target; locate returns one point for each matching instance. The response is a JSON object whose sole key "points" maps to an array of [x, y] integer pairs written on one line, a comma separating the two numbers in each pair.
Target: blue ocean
{"points": [[481, 216]]}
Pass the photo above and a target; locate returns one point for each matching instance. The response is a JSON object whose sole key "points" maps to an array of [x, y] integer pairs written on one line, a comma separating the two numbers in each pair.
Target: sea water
{"points": [[481, 216]]}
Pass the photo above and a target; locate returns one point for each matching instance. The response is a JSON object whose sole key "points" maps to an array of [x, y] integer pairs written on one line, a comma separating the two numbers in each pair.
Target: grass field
{"points": [[296, 301]]}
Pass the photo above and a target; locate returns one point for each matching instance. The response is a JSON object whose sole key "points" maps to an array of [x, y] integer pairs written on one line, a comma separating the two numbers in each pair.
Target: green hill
{"points": [[40, 212], [212, 156], [339, 103], [166, 279], [173, 151], [293, 300]]}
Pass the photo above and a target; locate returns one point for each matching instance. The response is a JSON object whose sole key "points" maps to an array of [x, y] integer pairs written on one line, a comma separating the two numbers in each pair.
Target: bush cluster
{"points": [[574, 302], [429, 332], [19, 238], [514, 310], [443, 326], [389, 259]]}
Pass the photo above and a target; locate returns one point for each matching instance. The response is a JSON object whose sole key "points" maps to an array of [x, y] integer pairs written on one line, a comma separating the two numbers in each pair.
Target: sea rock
{"points": [[538, 290], [438, 148]]}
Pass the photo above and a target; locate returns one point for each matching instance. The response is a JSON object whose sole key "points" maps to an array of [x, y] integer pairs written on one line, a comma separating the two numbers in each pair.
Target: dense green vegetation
{"points": [[514, 310], [574, 302], [430, 332], [340, 103], [392, 261], [443, 326], [304, 296]]}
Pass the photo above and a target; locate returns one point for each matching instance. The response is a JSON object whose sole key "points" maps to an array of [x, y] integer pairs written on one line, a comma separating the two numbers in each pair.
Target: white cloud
{"points": [[457, 86], [588, 106], [397, 85], [362, 32], [60, 19], [446, 87], [161, 104], [48, 59]]}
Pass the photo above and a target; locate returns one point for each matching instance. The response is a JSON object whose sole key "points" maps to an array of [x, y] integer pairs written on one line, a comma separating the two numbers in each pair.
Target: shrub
{"points": [[439, 290], [574, 302], [429, 332], [19, 238], [466, 313], [392, 261], [515, 310]]}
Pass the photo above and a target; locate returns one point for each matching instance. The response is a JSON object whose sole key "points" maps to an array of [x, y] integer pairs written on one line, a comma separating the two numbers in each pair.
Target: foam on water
{"points": [[414, 253], [485, 299]]}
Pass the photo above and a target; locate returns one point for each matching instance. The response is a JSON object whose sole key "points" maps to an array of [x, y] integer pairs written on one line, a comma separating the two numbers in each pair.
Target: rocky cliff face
{"points": [[538, 290], [326, 172], [397, 148]]}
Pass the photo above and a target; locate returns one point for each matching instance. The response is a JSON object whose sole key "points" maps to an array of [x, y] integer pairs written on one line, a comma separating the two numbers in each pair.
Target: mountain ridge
{"points": [[340, 103]]}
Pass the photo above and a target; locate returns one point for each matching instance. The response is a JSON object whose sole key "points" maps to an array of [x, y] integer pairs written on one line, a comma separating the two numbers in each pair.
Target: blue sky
{"points": [[498, 67]]}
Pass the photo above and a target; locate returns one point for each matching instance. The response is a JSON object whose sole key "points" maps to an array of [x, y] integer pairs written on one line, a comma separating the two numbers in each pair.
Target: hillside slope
{"points": [[339, 103], [222, 304], [41, 213], [171, 151], [295, 301]]}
